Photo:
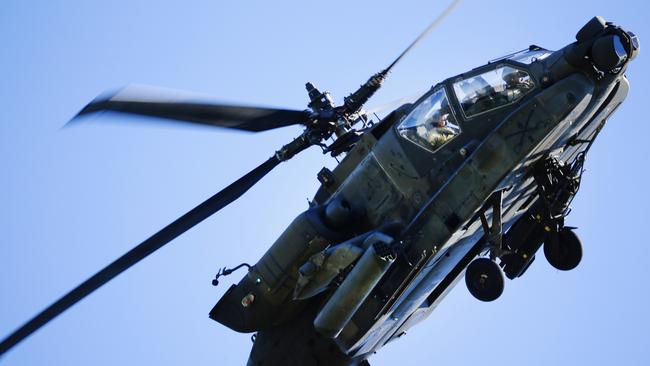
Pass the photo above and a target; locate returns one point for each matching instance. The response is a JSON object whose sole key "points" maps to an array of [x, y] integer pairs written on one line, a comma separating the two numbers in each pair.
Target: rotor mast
{"points": [[321, 102]]}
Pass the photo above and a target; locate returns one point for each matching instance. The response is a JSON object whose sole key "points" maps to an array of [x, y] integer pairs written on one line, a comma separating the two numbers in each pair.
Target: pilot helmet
{"points": [[512, 76]]}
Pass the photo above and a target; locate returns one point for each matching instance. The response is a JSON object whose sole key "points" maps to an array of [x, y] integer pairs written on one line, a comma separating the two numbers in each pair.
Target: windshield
{"points": [[431, 123], [492, 89]]}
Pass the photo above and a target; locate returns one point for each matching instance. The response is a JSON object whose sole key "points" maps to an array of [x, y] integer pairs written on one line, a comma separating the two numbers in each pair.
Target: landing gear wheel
{"points": [[484, 279], [563, 250]]}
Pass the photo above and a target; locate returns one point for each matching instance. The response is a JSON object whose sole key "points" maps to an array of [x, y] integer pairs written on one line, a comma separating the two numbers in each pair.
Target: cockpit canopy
{"points": [[492, 89], [526, 56], [529, 55], [431, 123]]}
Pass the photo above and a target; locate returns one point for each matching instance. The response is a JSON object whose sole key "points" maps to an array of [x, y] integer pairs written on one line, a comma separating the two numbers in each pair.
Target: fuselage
{"points": [[424, 192]]}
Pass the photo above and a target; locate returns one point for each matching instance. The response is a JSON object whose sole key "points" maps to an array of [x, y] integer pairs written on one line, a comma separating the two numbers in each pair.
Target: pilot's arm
{"points": [[439, 135]]}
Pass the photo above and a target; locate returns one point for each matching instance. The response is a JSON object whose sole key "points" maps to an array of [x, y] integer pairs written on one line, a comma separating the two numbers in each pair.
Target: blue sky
{"points": [[73, 200]]}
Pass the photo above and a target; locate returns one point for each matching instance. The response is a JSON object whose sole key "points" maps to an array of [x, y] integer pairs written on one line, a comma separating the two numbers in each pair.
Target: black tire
{"points": [[484, 279], [564, 251]]}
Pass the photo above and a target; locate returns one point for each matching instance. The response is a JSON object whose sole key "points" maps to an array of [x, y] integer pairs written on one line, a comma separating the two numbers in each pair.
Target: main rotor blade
{"points": [[355, 101], [433, 24], [155, 242], [185, 107]]}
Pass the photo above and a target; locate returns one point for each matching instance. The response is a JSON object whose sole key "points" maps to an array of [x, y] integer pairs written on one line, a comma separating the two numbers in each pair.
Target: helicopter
{"points": [[353, 144]]}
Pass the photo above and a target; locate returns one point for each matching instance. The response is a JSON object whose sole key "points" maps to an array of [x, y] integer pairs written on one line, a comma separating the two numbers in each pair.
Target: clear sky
{"points": [[73, 200]]}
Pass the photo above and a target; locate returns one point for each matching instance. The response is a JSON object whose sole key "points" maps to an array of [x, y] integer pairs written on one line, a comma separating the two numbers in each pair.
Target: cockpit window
{"points": [[431, 123], [528, 57], [492, 89]]}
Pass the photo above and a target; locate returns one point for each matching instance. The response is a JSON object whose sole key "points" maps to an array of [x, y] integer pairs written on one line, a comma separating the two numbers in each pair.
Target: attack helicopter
{"points": [[483, 165]]}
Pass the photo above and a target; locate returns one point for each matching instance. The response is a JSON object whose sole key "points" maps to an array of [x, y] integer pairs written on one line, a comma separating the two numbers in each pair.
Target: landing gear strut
{"points": [[557, 184], [483, 277]]}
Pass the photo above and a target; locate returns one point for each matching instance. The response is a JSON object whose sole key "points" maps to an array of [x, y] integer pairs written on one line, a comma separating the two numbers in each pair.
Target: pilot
{"points": [[440, 131], [516, 82]]}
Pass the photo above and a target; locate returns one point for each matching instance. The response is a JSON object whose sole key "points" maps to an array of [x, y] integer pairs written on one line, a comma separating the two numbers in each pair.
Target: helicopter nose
{"points": [[608, 46], [615, 48]]}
